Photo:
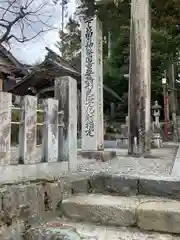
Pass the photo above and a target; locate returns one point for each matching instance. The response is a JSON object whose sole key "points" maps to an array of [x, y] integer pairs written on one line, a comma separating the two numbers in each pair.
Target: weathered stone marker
{"points": [[92, 84], [92, 74], [5, 128], [28, 130], [66, 92], [50, 131], [140, 79]]}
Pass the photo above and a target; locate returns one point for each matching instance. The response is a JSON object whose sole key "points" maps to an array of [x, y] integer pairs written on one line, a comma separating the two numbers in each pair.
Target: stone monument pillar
{"points": [[140, 79], [92, 82], [66, 92]]}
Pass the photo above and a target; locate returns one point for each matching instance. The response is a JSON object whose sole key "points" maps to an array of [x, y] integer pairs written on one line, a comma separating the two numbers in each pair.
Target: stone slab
{"points": [[162, 216], [32, 172], [147, 213], [103, 156], [123, 185], [128, 185], [81, 185], [97, 183], [114, 184], [169, 188], [37, 172], [12, 232], [9, 207], [90, 231], [110, 210], [53, 230], [176, 167]]}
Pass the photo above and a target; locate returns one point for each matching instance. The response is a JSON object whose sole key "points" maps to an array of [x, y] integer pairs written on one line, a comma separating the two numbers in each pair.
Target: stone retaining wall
{"points": [[32, 202], [128, 185], [25, 204]]}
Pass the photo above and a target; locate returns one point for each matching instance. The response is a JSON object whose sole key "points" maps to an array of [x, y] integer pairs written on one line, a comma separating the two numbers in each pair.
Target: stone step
{"points": [[88, 231], [127, 185], [147, 213]]}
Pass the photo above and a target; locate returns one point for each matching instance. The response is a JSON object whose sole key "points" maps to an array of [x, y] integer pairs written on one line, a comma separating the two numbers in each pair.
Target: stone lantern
{"points": [[156, 137], [156, 113]]}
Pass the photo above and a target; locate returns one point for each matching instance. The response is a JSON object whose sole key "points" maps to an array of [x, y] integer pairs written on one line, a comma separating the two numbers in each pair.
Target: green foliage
{"points": [[70, 40], [165, 43], [15, 115]]}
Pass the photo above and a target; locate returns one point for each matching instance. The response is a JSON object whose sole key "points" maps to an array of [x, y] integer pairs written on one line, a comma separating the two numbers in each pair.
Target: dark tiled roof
{"points": [[44, 74], [17, 65]]}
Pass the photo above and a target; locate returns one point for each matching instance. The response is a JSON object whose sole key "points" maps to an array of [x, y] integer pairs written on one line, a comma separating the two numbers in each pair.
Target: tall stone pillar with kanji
{"points": [[92, 78]]}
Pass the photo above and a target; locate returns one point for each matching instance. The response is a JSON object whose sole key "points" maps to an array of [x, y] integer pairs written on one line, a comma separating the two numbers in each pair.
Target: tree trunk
{"points": [[140, 79], [175, 133]]}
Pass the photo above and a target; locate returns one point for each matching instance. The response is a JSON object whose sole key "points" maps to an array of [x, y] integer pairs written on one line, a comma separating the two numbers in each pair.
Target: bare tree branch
{"points": [[4, 20], [5, 11], [3, 25], [18, 16], [8, 8], [28, 3], [25, 39]]}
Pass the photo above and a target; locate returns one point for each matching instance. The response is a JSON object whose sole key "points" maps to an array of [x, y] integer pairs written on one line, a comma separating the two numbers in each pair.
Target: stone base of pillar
{"points": [[178, 125], [122, 142], [103, 156], [157, 141]]}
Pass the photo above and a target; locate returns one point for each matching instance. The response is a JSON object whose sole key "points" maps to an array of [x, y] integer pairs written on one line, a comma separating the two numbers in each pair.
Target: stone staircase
{"points": [[120, 207], [146, 213]]}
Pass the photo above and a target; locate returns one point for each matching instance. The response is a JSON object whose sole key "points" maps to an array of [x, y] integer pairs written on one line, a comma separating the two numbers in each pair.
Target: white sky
{"points": [[34, 51]]}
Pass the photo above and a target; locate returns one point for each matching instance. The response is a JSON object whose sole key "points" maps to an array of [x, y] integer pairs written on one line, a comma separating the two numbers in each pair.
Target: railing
{"points": [[27, 150]]}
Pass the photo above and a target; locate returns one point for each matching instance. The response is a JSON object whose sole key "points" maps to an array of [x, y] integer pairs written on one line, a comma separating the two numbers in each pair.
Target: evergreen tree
{"points": [[71, 44], [116, 20]]}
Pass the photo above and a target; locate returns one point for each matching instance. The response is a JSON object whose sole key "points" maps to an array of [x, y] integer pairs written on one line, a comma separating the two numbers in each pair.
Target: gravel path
{"points": [[159, 164]]}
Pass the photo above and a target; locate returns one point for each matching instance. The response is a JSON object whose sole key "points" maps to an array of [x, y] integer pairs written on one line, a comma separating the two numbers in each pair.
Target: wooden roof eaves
{"points": [[61, 60], [71, 70], [13, 60], [41, 68]]}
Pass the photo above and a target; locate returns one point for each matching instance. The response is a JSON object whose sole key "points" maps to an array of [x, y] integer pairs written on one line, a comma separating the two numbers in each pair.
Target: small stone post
{"points": [[28, 130], [140, 79], [66, 92], [50, 131], [5, 128]]}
